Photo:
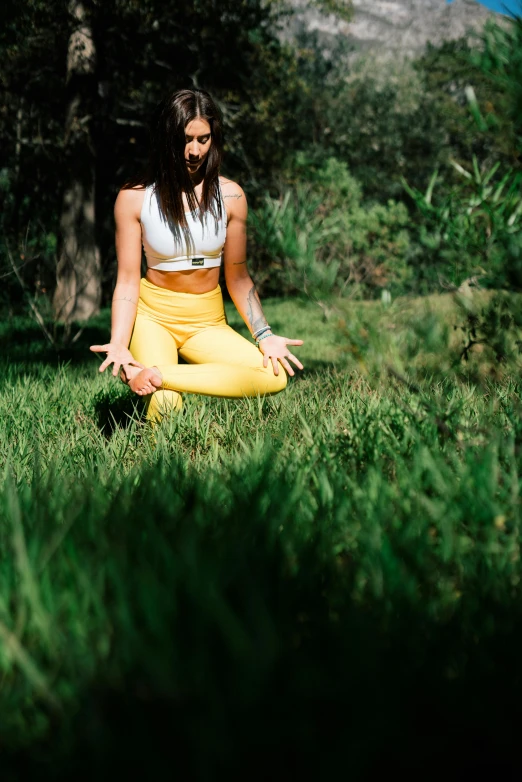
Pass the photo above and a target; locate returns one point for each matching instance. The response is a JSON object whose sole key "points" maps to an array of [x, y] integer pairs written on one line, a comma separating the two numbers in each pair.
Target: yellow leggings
{"points": [[220, 361]]}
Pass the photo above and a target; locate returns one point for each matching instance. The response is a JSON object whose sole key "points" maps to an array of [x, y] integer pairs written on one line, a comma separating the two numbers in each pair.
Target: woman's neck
{"points": [[197, 178]]}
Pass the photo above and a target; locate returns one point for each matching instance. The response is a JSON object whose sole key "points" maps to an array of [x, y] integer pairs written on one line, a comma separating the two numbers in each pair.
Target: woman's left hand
{"points": [[275, 349]]}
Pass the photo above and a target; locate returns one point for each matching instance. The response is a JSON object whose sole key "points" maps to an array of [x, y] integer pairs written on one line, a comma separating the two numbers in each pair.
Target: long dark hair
{"points": [[167, 168]]}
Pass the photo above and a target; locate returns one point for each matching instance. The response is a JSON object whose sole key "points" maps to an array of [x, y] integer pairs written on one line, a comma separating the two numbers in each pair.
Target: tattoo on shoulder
{"points": [[234, 195], [254, 311]]}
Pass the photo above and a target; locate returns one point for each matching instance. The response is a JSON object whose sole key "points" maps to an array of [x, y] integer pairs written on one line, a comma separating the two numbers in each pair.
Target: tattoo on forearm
{"points": [[125, 298], [254, 311], [238, 263]]}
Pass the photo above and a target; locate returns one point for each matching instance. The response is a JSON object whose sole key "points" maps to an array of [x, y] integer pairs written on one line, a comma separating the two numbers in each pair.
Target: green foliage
{"points": [[331, 177], [288, 236], [465, 337], [376, 117], [495, 326], [450, 75], [321, 237], [401, 119], [475, 228], [500, 60]]}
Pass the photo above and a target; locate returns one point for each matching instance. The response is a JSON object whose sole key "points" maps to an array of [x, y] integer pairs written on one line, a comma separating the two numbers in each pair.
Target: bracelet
{"points": [[260, 331], [266, 334], [258, 334]]}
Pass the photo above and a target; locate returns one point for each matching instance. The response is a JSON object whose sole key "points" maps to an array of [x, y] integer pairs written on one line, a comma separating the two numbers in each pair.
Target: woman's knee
{"points": [[278, 382]]}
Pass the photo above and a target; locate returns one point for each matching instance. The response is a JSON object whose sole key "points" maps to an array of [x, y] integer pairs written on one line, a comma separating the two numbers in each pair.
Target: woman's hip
{"points": [[198, 310]]}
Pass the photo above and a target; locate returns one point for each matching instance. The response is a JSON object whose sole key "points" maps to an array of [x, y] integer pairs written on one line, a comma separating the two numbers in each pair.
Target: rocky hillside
{"points": [[393, 27]]}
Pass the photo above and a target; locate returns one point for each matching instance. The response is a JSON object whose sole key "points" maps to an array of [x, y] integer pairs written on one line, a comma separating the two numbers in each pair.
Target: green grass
{"points": [[304, 576]]}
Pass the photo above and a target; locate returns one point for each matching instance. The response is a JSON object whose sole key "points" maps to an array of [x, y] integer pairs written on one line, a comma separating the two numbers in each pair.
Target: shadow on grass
{"points": [[22, 340], [240, 646], [392, 711], [116, 409], [316, 368]]}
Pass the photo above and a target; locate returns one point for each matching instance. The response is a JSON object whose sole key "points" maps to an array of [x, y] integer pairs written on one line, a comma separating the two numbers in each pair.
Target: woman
{"points": [[188, 218]]}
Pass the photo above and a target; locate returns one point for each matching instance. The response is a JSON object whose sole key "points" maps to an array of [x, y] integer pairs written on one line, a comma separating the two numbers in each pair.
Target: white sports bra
{"points": [[165, 246]]}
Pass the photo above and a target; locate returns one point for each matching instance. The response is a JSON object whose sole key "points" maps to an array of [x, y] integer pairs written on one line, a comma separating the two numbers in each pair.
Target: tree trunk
{"points": [[78, 289]]}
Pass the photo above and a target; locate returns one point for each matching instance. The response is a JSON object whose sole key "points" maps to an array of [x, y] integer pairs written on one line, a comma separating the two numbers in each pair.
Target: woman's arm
{"points": [[126, 293], [241, 287]]}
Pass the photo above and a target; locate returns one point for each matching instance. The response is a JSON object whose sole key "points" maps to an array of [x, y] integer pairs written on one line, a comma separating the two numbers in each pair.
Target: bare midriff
{"points": [[190, 281]]}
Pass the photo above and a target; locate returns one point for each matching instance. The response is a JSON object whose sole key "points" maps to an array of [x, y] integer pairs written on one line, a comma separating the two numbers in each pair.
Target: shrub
{"points": [[290, 235], [474, 229], [321, 237]]}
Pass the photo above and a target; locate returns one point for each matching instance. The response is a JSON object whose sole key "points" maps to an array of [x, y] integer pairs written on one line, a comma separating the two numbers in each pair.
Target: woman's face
{"points": [[197, 144]]}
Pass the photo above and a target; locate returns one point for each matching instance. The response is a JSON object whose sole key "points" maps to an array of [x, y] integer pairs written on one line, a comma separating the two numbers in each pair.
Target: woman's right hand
{"points": [[117, 355]]}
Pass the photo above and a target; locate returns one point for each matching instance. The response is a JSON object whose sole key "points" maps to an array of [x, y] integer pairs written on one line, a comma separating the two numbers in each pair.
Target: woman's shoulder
{"points": [[129, 201], [233, 196], [230, 188]]}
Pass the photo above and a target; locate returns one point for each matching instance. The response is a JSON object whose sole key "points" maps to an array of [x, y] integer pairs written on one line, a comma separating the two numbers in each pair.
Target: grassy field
{"points": [[325, 579]]}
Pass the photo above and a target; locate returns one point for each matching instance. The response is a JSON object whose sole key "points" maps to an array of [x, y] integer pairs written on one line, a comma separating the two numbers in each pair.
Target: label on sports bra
{"points": [[198, 261]]}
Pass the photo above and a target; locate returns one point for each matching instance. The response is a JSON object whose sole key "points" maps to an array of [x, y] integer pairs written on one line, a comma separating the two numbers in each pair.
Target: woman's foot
{"points": [[142, 381]]}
